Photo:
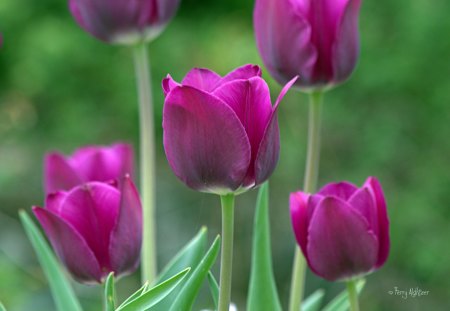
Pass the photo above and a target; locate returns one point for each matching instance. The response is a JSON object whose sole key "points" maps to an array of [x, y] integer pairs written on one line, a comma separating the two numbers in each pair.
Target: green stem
{"points": [[310, 184], [352, 295], [226, 259], [147, 162]]}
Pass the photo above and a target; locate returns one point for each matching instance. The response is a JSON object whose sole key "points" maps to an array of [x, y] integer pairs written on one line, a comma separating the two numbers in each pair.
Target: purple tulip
{"points": [[90, 163], [342, 230], [95, 229], [123, 21], [317, 40], [221, 133]]}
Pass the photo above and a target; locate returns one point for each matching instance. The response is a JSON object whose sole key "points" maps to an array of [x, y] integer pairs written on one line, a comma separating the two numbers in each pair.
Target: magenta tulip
{"points": [[95, 228], [123, 21], [221, 133], [91, 163], [317, 40], [343, 230]]}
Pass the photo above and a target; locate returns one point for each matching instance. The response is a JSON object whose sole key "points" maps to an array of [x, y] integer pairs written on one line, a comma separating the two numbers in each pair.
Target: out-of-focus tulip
{"points": [[221, 133], [95, 228], [91, 163], [123, 21], [343, 230], [315, 39]]}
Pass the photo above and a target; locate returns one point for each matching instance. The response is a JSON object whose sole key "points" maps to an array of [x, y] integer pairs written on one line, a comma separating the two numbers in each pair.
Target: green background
{"points": [[61, 89]]}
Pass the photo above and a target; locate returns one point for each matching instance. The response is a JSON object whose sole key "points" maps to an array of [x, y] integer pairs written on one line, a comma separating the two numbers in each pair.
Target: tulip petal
{"points": [[340, 243], [269, 148], [363, 202], [313, 202], [168, 84], [346, 46], [299, 217], [95, 163], [343, 190], [53, 201], [250, 100], [70, 247], [383, 234], [59, 175], [202, 79], [167, 9], [126, 237], [205, 143], [245, 72], [92, 209], [323, 16], [113, 21], [283, 39]]}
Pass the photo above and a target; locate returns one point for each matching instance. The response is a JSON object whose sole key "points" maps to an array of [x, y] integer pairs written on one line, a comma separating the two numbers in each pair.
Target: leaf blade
{"points": [[313, 302], [188, 293], [214, 288], [154, 295], [262, 288], [189, 256], [133, 296], [62, 292]]}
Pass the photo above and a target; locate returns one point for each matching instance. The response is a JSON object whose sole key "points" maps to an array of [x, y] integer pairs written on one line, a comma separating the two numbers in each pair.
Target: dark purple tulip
{"points": [[95, 228], [90, 163], [221, 133], [123, 21], [342, 230], [315, 39]]}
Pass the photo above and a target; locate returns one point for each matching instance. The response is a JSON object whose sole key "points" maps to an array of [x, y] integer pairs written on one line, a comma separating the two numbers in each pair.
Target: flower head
{"points": [[343, 230], [95, 229], [315, 39], [90, 163], [123, 21], [221, 133]]}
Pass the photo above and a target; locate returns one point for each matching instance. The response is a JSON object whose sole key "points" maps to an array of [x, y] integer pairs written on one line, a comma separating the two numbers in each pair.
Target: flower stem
{"points": [[226, 259], [310, 184], [147, 161], [352, 295]]}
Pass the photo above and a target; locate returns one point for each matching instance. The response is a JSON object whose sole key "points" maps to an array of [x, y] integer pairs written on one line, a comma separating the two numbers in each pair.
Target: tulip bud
{"points": [[317, 40], [221, 133], [343, 230], [123, 21], [95, 229], [90, 163]]}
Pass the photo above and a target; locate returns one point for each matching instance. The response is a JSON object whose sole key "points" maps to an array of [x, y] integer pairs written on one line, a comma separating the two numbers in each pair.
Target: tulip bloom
{"points": [[317, 40], [343, 230], [221, 133], [95, 229], [123, 21], [90, 163]]}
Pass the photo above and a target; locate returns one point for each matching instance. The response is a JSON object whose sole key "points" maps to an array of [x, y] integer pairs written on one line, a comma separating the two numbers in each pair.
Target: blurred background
{"points": [[61, 89]]}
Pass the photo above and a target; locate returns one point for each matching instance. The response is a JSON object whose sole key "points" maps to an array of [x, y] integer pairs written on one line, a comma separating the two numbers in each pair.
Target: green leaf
{"points": [[340, 302], [188, 293], [214, 288], [313, 302], [2, 307], [133, 296], [110, 293], [262, 289], [189, 256], [62, 292], [151, 297]]}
